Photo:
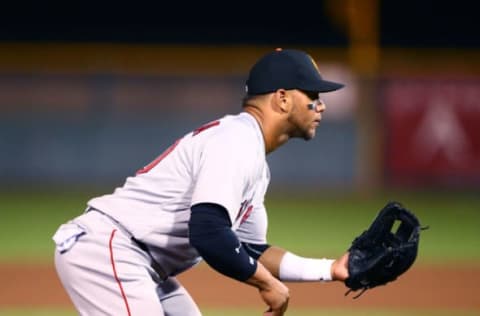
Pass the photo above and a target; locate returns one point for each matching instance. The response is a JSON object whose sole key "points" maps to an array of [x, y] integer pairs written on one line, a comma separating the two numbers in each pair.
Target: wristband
{"points": [[297, 269]]}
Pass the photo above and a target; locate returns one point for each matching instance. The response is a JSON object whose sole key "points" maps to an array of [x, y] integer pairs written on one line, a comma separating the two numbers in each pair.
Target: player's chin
{"points": [[310, 134]]}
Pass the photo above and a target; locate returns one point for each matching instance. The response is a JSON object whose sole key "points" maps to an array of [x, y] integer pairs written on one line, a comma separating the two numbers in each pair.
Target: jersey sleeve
{"points": [[224, 173]]}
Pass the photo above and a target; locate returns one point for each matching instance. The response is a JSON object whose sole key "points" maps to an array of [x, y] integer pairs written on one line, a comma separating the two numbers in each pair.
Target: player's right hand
{"points": [[273, 292], [276, 298]]}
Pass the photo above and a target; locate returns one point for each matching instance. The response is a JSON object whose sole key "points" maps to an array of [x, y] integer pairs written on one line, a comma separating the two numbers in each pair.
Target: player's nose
{"points": [[321, 106]]}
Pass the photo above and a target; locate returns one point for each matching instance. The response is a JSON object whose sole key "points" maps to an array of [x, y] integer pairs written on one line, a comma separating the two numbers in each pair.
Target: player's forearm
{"points": [[262, 278], [271, 259]]}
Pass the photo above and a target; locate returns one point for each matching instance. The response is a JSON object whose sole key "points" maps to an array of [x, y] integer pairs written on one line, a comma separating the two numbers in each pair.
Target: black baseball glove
{"points": [[380, 255]]}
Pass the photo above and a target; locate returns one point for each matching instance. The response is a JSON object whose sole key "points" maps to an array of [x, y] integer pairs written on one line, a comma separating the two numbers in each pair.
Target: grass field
{"points": [[322, 225]]}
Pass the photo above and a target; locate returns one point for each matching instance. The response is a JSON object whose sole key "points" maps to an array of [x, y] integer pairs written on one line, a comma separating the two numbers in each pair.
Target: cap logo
{"points": [[314, 63]]}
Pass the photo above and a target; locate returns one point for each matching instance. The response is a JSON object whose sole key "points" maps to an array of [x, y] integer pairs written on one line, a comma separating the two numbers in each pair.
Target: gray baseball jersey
{"points": [[222, 162]]}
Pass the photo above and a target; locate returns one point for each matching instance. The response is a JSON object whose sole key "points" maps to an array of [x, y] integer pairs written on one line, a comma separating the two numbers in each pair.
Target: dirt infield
{"points": [[423, 287]]}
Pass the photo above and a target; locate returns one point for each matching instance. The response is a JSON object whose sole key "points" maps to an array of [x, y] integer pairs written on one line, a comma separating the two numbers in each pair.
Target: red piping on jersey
{"points": [[115, 273], [204, 127], [157, 160]]}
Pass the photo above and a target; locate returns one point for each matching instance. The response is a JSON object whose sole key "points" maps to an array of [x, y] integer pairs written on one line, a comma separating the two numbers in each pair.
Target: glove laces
{"points": [[359, 294]]}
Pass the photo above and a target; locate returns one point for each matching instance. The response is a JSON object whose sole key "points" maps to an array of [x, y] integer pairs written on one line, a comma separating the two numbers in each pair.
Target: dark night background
{"points": [[402, 23]]}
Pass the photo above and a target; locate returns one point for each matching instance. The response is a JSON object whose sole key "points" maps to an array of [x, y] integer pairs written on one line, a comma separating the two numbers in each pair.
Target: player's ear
{"points": [[281, 100]]}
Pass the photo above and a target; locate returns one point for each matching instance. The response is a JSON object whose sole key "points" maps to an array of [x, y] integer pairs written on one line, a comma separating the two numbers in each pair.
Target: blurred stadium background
{"points": [[90, 95], [88, 102]]}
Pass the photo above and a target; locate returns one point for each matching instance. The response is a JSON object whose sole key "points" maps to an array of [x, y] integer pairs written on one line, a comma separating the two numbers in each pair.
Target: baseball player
{"points": [[202, 198]]}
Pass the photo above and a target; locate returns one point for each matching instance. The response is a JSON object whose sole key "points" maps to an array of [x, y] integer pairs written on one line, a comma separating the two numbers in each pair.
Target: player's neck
{"points": [[270, 129]]}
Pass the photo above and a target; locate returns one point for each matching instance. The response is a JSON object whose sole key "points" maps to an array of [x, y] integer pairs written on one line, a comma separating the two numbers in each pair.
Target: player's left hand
{"points": [[385, 250], [340, 268]]}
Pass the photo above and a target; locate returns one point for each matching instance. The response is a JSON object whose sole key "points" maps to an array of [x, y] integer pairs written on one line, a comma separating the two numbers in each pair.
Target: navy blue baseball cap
{"points": [[287, 69]]}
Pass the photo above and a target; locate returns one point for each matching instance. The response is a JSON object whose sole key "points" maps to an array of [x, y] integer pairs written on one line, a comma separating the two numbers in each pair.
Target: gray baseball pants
{"points": [[106, 273]]}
